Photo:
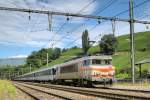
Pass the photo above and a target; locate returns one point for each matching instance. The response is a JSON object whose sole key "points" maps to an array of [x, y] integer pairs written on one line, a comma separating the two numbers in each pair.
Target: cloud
{"points": [[18, 56], [17, 29]]}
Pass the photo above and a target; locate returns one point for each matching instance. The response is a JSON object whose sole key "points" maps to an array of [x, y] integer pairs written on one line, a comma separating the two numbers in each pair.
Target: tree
{"points": [[85, 42], [108, 44], [39, 58], [56, 53]]}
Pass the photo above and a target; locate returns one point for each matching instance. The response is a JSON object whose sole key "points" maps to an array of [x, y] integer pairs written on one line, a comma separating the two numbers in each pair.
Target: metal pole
{"points": [[140, 71], [50, 22], [22, 70], [132, 40], [30, 67], [113, 27], [47, 60], [0, 75], [18, 73]]}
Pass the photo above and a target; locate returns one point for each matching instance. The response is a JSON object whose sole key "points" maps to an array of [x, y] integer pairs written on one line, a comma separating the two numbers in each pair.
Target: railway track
{"points": [[121, 89], [24, 91], [38, 94], [101, 92], [132, 90]]}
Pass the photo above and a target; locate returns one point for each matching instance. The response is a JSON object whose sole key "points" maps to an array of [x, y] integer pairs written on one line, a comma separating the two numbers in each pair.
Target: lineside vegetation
{"points": [[7, 90]]}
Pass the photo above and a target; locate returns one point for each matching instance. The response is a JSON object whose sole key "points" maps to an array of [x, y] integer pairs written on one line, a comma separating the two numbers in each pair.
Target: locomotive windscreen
{"points": [[101, 62]]}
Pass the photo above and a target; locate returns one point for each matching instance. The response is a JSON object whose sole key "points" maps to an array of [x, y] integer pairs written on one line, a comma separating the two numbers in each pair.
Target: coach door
{"points": [[54, 73]]}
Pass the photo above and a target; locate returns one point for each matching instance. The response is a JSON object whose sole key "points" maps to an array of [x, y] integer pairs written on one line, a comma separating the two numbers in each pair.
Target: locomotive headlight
{"points": [[97, 73], [110, 73]]}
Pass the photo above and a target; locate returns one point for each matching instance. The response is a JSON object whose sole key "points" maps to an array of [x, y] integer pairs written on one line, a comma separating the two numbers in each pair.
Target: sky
{"points": [[20, 36]]}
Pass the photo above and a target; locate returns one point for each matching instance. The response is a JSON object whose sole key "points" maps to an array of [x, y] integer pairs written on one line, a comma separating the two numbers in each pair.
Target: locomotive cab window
{"points": [[86, 62], [107, 62], [96, 61]]}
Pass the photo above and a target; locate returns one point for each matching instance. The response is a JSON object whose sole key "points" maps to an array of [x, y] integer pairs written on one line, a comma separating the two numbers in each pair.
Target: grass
{"points": [[122, 59], [72, 52], [7, 90], [141, 41], [60, 60]]}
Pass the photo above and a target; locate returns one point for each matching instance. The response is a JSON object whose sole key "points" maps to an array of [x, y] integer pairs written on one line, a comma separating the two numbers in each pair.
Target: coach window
{"points": [[50, 72]]}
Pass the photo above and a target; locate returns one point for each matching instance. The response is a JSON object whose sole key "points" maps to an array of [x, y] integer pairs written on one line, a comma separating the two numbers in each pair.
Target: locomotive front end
{"points": [[102, 70]]}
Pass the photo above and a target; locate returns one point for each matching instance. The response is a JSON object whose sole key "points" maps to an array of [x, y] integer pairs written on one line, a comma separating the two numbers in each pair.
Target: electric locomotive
{"points": [[87, 71]]}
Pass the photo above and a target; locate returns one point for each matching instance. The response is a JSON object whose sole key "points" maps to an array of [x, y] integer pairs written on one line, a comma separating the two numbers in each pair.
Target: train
{"points": [[84, 71]]}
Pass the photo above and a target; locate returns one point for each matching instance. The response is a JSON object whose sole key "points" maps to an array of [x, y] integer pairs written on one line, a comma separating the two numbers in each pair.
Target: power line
{"points": [[71, 19], [118, 13], [138, 5], [97, 12], [65, 24], [73, 15], [77, 13], [80, 36]]}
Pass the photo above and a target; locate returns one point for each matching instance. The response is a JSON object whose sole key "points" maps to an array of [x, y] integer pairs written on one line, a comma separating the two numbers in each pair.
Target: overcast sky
{"points": [[19, 36]]}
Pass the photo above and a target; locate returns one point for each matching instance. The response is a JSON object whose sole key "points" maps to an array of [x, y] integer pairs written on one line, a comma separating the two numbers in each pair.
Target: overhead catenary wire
{"points": [[70, 14], [70, 19], [77, 13], [134, 7], [110, 2], [138, 5], [66, 23], [73, 15]]}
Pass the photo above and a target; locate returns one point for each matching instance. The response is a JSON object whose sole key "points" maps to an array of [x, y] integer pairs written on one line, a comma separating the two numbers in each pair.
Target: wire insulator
{"points": [[29, 16], [67, 18], [99, 21]]}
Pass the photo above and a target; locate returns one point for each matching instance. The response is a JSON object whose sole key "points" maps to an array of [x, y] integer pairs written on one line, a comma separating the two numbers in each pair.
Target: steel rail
{"points": [[31, 95], [84, 91], [62, 97], [122, 89]]}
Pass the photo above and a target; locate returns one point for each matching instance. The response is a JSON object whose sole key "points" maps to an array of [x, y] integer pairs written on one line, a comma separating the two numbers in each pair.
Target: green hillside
{"points": [[142, 40], [67, 55], [121, 60]]}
